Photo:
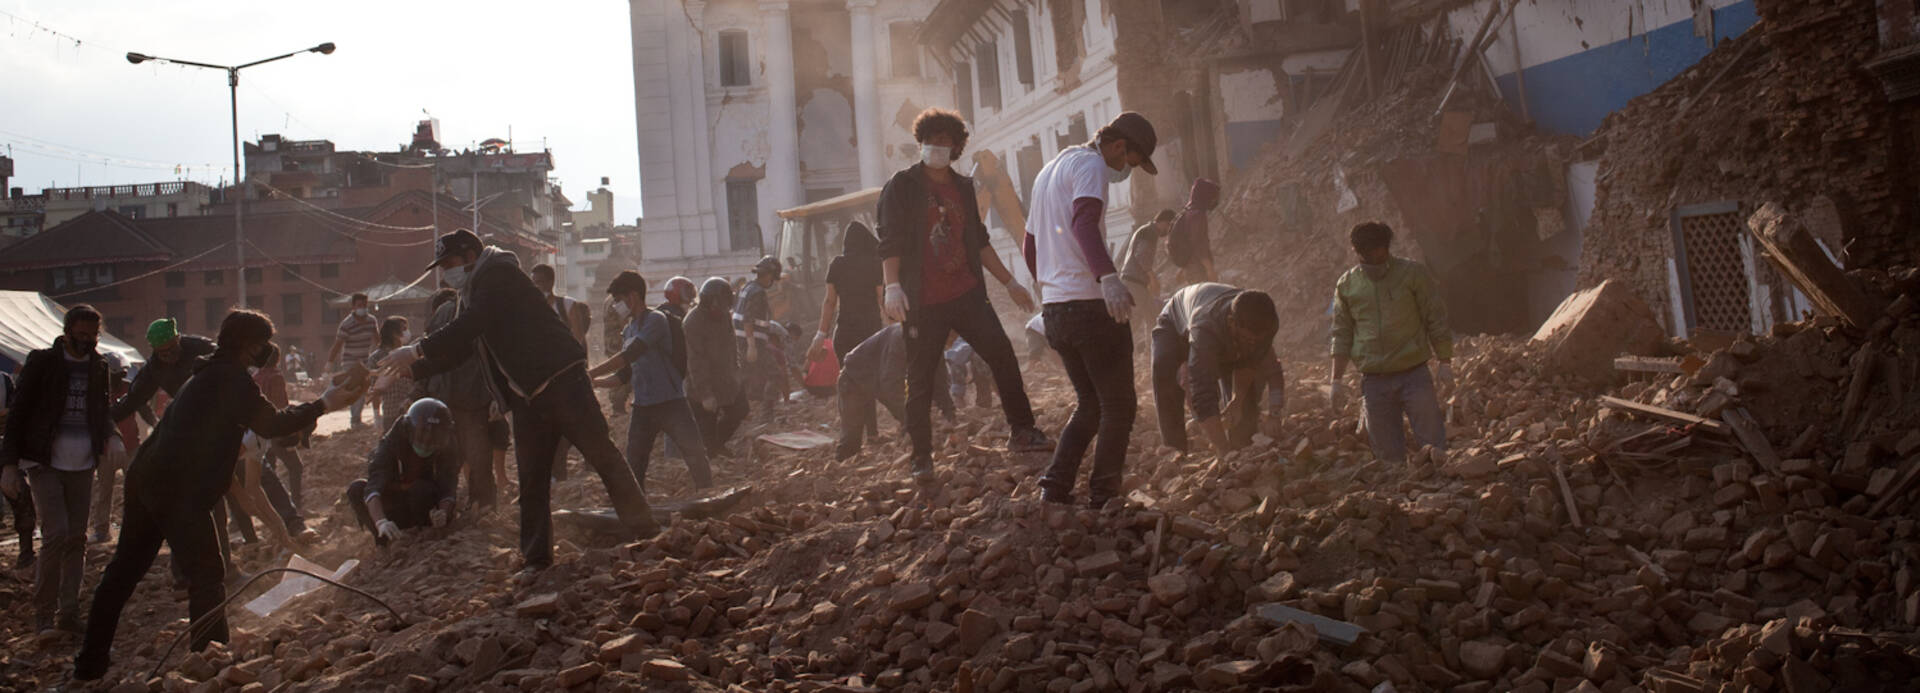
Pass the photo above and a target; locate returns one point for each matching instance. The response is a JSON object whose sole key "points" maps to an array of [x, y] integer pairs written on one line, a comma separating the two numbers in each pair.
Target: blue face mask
{"points": [[422, 451]]}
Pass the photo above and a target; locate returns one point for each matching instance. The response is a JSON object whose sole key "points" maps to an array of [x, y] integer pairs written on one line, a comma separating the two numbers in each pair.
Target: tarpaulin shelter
{"points": [[29, 320]]}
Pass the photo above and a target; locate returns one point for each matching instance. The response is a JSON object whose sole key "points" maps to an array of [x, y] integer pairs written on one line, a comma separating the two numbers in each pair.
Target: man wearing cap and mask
{"points": [[412, 474], [538, 370], [934, 258], [1087, 301], [759, 334]]}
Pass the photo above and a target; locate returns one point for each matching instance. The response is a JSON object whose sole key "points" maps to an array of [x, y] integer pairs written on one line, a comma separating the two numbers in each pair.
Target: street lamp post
{"points": [[239, 181]]}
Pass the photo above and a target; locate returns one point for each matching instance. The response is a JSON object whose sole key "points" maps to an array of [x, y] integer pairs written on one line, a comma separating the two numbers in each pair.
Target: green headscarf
{"points": [[162, 331]]}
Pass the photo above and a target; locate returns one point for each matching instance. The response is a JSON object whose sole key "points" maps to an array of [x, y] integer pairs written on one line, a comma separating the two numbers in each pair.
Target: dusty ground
{"points": [[1684, 571]]}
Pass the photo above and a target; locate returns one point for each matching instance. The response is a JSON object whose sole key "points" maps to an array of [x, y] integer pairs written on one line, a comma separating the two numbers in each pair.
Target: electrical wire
{"points": [[348, 219], [200, 622], [295, 271], [328, 224], [139, 277]]}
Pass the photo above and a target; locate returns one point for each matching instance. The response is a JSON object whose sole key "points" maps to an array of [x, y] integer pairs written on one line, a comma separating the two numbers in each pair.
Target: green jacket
{"points": [[1392, 324]]}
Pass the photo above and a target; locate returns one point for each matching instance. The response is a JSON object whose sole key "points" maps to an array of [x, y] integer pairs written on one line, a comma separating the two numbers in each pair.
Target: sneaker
{"points": [[923, 469], [1028, 439], [1047, 496]]}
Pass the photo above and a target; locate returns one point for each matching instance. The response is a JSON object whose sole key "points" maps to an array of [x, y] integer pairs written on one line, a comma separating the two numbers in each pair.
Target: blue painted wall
{"points": [[1573, 94]]}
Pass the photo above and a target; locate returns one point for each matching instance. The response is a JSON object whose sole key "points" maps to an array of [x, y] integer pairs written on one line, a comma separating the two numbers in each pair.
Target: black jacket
{"points": [[878, 367], [393, 466], [713, 363], [902, 222], [508, 322], [190, 456], [464, 386], [42, 401], [156, 376]]}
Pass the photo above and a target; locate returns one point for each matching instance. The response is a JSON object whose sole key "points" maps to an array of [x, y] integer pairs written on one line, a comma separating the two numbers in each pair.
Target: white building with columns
{"points": [[746, 107]]}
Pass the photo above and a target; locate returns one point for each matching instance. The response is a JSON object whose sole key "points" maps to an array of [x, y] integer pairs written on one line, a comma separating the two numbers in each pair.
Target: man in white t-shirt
{"points": [[1087, 305]]}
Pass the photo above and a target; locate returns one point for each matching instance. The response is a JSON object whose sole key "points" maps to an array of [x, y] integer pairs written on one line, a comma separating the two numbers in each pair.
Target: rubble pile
{"points": [[1773, 115], [1566, 543]]}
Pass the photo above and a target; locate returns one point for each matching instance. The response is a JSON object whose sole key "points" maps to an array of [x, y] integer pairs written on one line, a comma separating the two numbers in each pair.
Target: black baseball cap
{"points": [[454, 243], [1138, 131]]}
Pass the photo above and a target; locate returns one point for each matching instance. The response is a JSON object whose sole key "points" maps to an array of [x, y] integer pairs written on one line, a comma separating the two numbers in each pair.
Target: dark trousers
{"points": [[476, 454], [286, 452], [1170, 351], [1098, 356], [718, 426], [859, 417], [407, 507], [186, 525], [973, 318], [23, 515], [567, 409], [675, 419]]}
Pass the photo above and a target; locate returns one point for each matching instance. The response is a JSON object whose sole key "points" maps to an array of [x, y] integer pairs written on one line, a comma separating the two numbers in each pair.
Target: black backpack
{"points": [[679, 356]]}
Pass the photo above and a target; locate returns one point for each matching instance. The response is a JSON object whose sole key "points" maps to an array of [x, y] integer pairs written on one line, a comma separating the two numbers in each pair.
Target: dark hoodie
{"points": [[855, 277], [1189, 245]]}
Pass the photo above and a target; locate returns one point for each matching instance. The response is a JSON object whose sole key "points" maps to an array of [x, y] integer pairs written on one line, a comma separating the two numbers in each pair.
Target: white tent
{"points": [[30, 320]]}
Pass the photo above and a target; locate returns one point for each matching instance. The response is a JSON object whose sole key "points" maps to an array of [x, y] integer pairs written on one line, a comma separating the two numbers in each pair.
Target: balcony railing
{"points": [[138, 190]]}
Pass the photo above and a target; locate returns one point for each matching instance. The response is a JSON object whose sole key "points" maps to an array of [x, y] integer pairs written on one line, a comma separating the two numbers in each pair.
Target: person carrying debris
{"points": [[1223, 336], [174, 359], [934, 255], [578, 317], [182, 471], [538, 370], [850, 311], [655, 354], [759, 335], [463, 390], [393, 392], [1188, 245], [1088, 304], [412, 475], [876, 372], [1389, 321], [355, 339], [58, 432], [713, 378], [1138, 271]]}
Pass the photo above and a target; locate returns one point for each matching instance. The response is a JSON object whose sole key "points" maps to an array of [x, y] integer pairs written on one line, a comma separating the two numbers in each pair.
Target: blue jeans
{"points": [[674, 419], [354, 410], [1409, 393]]}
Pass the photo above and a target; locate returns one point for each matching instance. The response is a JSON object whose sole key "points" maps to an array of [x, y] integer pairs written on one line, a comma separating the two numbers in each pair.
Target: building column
{"points": [[866, 96], [783, 121]]}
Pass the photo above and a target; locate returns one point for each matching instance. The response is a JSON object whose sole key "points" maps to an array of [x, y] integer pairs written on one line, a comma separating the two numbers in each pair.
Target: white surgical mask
{"points": [[936, 156], [455, 277], [1114, 176], [359, 312]]}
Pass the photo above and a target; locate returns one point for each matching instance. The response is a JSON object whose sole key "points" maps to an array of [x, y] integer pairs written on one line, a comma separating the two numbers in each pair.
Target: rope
{"points": [[139, 277], [221, 609], [354, 234]]}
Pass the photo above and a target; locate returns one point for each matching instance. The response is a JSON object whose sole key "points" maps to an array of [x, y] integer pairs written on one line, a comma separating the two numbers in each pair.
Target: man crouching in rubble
{"points": [[1389, 321], [411, 476], [1224, 338]]}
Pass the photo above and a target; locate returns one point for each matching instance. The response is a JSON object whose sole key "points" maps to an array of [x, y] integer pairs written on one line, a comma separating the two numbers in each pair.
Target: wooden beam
{"points": [[1330, 630], [1752, 438], [1648, 364], [1566, 496], [1683, 418], [1798, 256], [1899, 488]]}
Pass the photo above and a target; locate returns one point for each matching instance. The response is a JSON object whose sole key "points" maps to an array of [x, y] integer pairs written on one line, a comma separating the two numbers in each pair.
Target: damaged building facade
{"points": [[747, 107]]}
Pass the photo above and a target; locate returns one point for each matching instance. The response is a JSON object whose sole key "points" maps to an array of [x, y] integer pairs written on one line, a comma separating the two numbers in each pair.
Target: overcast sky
{"points": [[556, 72]]}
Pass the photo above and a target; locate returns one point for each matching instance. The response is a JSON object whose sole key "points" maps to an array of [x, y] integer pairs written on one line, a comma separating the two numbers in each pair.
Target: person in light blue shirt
{"points": [[653, 352]]}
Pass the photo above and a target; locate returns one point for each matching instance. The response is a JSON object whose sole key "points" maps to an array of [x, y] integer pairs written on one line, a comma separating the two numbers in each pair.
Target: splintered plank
{"points": [[1708, 425]]}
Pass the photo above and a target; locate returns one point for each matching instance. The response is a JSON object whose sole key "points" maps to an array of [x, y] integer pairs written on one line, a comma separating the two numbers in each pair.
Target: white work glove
{"points": [[896, 303], [1020, 296], [1119, 300], [1338, 396], [388, 530], [1443, 376], [438, 516], [400, 359]]}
